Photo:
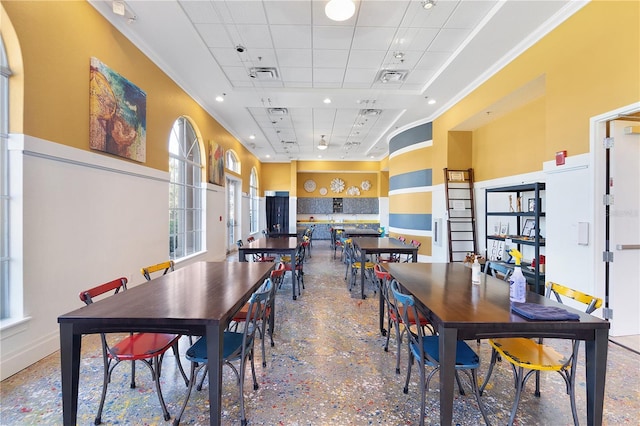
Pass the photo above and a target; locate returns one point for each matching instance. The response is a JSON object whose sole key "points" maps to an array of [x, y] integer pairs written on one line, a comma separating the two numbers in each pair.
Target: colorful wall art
{"points": [[117, 110], [216, 164]]}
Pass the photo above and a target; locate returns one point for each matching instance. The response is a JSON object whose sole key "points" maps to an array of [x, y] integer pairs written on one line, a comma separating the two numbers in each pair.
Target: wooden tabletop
{"points": [[383, 243], [271, 244], [200, 293]]}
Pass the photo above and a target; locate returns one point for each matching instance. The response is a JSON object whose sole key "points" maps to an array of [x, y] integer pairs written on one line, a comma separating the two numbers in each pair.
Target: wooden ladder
{"points": [[461, 216]]}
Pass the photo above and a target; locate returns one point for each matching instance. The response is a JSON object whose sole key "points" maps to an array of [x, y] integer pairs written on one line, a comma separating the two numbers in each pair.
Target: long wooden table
{"points": [[198, 299], [273, 246], [381, 245], [461, 311]]}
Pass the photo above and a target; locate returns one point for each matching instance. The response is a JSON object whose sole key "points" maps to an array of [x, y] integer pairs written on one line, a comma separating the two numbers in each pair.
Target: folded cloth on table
{"points": [[534, 311]]}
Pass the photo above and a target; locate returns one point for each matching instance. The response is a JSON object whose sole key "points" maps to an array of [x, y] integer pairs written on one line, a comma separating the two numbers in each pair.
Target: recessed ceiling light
{"points": [[431, 101], [428, 4], [398, 55], [327, 101], [220, 98], [252, 136], [340, 10], [268, 156]]}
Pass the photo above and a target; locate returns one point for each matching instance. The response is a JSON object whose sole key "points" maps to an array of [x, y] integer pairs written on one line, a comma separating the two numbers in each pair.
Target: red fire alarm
{"points": [[560, 157]]}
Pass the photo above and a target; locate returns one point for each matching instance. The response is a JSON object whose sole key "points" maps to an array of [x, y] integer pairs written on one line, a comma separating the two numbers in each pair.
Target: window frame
{"points": [[254, 201], [186, 191], [6, 310]]}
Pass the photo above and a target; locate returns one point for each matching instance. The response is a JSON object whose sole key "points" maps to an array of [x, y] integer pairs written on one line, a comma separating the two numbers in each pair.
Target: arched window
{"points": [[186, 231], [5, 72], [254, 199], [232, 161]]}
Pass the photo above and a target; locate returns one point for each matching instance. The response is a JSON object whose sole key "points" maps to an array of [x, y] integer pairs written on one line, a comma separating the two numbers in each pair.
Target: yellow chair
{"points": [[535, 356], [167, 266]]}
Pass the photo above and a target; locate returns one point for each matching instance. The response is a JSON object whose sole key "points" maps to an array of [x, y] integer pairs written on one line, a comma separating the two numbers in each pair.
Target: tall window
{"points": [[185, 191], [253, 201], [5, 311]]}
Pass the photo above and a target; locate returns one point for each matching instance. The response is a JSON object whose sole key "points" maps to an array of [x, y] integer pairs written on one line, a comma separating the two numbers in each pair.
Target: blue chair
{"points": [[238, 346], [426, 350]]}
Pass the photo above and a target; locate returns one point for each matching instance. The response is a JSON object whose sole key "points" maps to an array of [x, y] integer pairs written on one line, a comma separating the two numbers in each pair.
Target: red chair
{"points": [[146, 347]]}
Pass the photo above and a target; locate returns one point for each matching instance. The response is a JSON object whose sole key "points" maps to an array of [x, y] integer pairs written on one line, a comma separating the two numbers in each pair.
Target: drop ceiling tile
{"points": [[330, 59], [363, 76], [235, 73], [332, 37], [379, 14], [298, 84], [254, 36], [436, 17], [366, 58], [226, 56], [417, 76], [244, 12], [372, 38], [320, 18], [214, 35], [292, 74], [291, 36], [432, 60], [294, 57], [200, 12], [287, 12]]}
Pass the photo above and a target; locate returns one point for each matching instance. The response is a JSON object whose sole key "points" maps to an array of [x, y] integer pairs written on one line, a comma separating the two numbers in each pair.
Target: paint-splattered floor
{"points": [[327, 367]]}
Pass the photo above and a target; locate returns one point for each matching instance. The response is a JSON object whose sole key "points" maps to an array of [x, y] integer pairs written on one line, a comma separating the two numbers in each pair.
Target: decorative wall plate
{"points": [[310, 185], [365, 185], [337, 185], [353, 190], [323, 191]]}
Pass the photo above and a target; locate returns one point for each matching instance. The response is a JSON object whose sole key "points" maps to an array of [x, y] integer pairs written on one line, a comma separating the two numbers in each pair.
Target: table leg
{"points": [[381, 312], [215, 340], [596, 366], [448, 342], [242, 256], [70, 345], [414, 257], [363, 258], [293, 273]]}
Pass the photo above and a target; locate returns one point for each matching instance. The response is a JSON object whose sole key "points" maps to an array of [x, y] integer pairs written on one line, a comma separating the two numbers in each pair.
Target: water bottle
{"points": [[475, 272]]}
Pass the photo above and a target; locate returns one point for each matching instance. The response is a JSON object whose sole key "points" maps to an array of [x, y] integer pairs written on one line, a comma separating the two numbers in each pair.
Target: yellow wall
{"points": [[57, 40], [512, 144], [459, 151], [275, 177], [590, 65]]}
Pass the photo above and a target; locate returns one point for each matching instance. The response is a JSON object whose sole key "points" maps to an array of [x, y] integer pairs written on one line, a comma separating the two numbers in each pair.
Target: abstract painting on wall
{"points": [[117, 110], [216, 164]]}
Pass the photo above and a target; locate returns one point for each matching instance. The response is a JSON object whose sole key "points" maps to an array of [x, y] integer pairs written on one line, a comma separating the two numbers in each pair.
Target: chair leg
{"points": [[494, 357], [176, 354], [398, 348], [192, 379], [133, 375], [156, 378], [406, 384], [105, 383], [474, 385]]}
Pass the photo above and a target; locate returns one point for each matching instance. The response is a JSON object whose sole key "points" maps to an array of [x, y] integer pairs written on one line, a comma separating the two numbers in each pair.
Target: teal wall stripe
{"points": [[419, 222], [411, 179], [421, 133]]}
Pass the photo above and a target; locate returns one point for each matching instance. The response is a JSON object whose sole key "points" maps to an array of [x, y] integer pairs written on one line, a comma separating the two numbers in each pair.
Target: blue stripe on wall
{"points": [[421, 133], [419, 222], [411, 179]]}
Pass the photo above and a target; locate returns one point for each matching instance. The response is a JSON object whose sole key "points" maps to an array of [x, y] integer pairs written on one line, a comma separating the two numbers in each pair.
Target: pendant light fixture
{"points": [[340, 10], [322, 145]]}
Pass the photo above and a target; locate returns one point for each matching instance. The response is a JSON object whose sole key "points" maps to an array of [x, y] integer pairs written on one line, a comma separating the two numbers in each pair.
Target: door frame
{"points": [[597, 132], [231, 244]]}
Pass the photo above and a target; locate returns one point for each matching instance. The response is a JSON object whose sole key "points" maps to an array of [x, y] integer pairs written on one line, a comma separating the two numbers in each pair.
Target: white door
{"points": [[624, 214]]}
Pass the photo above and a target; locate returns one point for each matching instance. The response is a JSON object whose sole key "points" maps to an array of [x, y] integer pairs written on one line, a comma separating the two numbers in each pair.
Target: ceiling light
{"points": [[431, 101], [119, 8], [327, 101], [220, 98], [340, 10], [428, 4], [322, 145], [398, 55], [252, 136]]}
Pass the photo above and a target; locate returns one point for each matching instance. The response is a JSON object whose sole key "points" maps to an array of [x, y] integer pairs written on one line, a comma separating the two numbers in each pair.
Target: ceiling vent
{"points": [[370, 112], [289, 143], [264, 73], [278, 111], [392, 76]]}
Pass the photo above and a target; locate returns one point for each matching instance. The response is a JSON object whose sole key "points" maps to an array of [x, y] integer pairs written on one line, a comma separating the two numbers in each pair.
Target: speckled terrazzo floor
{"points": [[328, 367]]}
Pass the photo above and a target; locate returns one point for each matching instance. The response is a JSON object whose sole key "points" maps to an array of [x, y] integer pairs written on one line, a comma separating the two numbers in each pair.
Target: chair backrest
{"points": [[380, 273], [558, 290], [405, 306], [402, 239], [167, 266], [300, 254], [416, 243], [250, 239], [496, 268], [256, 312], [239, 243], [115, 286]]}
